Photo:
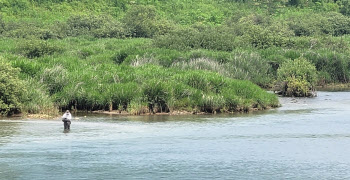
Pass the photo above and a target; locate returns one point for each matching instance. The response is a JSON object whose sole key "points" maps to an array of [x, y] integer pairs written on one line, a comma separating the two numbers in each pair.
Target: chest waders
{"points": [[66, 124]]}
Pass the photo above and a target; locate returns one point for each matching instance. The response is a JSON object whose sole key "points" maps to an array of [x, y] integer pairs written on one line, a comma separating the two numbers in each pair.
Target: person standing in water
{"points": [[66, 120]]}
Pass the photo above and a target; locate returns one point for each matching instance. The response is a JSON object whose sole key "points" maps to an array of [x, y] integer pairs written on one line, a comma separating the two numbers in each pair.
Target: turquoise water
{"points": [[307, 138]]}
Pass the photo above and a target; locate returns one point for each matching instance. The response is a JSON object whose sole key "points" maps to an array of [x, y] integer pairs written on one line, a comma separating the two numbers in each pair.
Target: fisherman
{"points": [[66, 120]]}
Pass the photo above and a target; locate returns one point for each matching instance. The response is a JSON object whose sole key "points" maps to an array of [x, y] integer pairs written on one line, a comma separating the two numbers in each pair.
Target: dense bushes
{"points": [[99, 26], [144, 22], [26, 30], [160, 56], [102, 26], [344, 7], [11, 89], [340, 24], [18, 96], [37, 48], [199, 37], [316, 24], [297, 78], [334, 67]]}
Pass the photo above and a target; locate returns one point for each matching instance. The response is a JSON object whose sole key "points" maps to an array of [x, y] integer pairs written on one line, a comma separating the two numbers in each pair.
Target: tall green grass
{"points": [[161, 56], [93, 85]]}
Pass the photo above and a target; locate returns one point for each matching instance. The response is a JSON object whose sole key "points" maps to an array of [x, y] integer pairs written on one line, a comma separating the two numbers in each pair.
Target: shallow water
{"points": [[307, 138]]}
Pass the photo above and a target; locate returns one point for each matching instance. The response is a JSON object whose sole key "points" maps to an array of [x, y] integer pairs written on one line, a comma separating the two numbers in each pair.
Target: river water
{"points": [[307, 138]]}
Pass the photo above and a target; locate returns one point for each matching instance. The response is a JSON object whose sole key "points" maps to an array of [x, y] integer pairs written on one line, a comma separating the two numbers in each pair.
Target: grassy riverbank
{"points": [[164, 56]]}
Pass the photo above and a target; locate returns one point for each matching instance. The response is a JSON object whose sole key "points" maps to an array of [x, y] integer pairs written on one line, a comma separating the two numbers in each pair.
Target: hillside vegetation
{"points": [[161, 56]]}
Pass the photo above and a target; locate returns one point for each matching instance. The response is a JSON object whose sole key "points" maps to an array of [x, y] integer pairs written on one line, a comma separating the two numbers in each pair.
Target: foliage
{"points": [[299, 77], [334, 66], [54, 78], [198, 37], [144, 22], [29, 30], [340, 24], [315, 24], [344, 7], [161, 56], [102, 26], [297, 2], [38, 48], [37, 99], [11, 89], [155, 93], [297, 87], [161, 90]]}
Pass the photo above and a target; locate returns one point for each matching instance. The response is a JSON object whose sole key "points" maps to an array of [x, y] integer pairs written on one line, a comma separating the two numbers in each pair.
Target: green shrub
{"points": [[218, 38], [16, 6], [144, 22], [38, 48], [340, 24], [102, 26], [298, 77], [333, 65], [324, 78], [199, 37], [2, 25], [23, 29], [262, 32], [310, 24], [317, 24], [297, 2], [344, 7], [297, 87], [274, 57], [180, 39], [12, 89]]}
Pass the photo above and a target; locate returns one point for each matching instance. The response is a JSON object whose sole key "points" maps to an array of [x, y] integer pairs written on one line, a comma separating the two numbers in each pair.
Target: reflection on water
{"points": [[307, 138], [7, 129]]}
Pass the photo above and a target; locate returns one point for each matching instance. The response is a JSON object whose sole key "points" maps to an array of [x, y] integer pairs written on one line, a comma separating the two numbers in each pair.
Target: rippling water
{"points": [[307, 138]]}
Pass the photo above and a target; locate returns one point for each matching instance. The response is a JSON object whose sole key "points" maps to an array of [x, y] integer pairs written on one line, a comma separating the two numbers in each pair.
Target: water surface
{"points": [[307, 138]]}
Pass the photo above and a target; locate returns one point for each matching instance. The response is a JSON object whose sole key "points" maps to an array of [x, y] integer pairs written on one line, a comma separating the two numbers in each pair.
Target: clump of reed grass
{"points": [[54, 78], [202, 63], [96, 82], [139, 61], [137, 107], [161, 90], [37, 99]]}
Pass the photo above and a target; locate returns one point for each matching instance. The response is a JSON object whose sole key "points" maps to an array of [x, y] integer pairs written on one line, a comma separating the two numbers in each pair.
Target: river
{"points": [[307, 138]]}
